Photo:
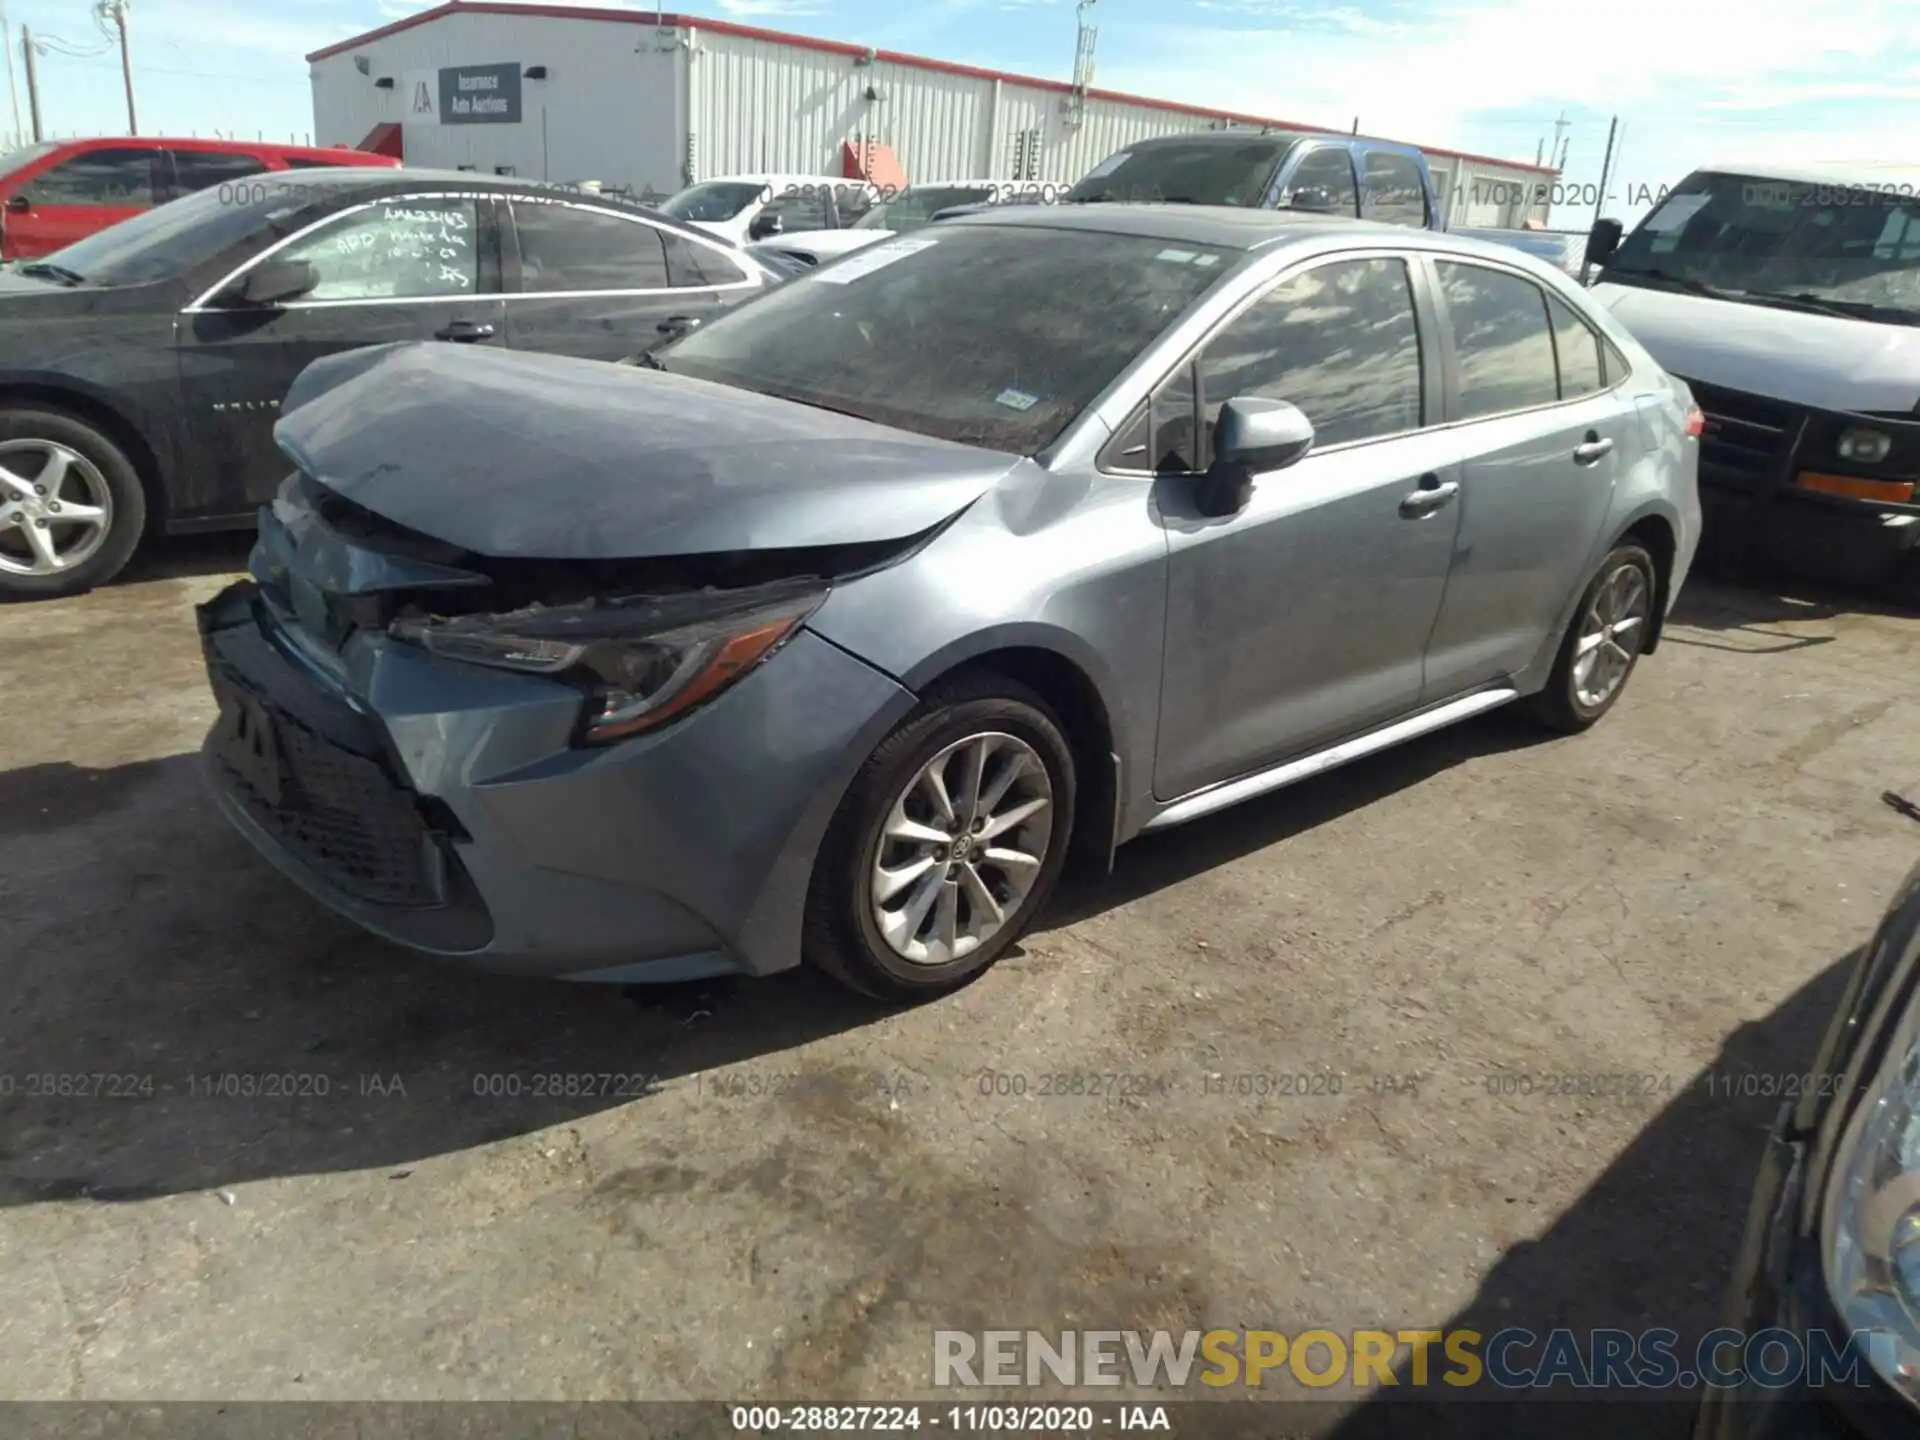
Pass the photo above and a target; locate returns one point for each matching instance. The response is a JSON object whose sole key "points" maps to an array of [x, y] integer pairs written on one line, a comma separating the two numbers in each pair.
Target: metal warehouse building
{"points": [[653, 102]]}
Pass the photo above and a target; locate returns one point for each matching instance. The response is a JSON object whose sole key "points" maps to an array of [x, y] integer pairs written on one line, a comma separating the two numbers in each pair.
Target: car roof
{"points": [[774, 177], [1234, 227], [1230, 227], [1904, 174], [194, 142], [375, 180], [1279, 137]]}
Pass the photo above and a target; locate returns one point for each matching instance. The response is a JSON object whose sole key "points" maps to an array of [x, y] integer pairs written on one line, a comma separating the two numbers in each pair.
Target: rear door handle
{"points": [[464, 331], [1592, 451], [1431, 496], [677, 325]]}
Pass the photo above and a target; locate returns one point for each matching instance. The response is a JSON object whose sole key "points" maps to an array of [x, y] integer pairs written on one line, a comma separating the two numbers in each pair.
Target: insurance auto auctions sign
{"points": [[480, 95]]}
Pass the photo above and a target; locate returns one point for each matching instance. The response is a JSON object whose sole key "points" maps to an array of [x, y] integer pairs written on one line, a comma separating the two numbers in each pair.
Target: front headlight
{"points": [[642, 662], [1863, 445], [1870, 1230]]}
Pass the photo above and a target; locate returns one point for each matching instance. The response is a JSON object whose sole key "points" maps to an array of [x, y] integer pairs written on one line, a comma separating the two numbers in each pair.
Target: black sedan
{"points": [[1829, 1274], [142, 369]]}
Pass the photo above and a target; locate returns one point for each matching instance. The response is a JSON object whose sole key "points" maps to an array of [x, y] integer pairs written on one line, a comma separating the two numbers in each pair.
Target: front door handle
{"points": [[1431, 496], [1592, 450], [464, 332]]}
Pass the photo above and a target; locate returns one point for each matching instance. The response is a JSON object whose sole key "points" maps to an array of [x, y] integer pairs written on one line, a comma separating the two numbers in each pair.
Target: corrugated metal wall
{"points": [[628, 105], [761, 105]]}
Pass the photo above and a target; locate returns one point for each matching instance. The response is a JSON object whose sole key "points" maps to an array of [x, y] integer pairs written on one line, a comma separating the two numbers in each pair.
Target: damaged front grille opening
{"points": [[520, 585]]}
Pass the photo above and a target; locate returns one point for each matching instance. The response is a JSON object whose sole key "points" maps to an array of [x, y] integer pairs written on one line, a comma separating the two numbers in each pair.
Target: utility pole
{"points": [[118, 10], [33, 83], [1606, 164], [1559, 129], [13, 90]]}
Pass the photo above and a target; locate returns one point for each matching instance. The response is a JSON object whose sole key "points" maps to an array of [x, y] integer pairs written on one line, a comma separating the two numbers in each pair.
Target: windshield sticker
{"points": [[1208, 260], [1016, 400], [1178, 257], [1107, 166], [875, 257], [1676, 212]]}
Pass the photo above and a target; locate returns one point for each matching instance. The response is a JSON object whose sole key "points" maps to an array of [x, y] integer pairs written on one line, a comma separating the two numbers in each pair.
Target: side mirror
{"points": [[18, 204], [764, 225], [1317, 198], [274, 283], [1602, 241], [1252, 436]]}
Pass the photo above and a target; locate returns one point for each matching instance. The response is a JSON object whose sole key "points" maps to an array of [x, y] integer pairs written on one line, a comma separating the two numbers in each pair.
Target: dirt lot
{"points": [[810, 1185]]}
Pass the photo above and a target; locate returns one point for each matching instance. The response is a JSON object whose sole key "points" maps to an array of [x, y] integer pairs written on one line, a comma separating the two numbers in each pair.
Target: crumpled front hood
{"points": [[521, 456], [1820, 361]]}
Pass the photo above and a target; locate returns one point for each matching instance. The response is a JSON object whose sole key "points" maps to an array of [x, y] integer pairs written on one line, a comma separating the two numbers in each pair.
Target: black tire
{"points": [[840, 935], [129, 500], [1559, 706]]}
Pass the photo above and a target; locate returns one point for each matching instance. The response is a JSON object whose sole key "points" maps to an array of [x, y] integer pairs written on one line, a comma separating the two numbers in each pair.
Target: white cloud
{"points": [[1691, 79]]}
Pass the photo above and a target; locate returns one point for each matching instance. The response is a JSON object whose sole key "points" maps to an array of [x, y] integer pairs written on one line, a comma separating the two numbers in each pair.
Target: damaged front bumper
{"points": [[445, 806]]}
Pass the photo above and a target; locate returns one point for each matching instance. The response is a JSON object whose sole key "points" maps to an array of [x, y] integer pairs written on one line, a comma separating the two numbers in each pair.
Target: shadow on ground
{"points": [[1158, 860], [182, 1018], [1652, 1244]]}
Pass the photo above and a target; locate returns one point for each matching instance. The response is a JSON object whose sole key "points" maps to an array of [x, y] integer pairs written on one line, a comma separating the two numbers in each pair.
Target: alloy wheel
{"points": [[962, 848], [1610, 635], [55, 507]]}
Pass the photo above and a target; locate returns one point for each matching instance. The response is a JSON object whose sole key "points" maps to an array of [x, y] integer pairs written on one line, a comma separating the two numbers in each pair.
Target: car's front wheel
{"points": [[1604, 642], [71, 505], [948, 842]]}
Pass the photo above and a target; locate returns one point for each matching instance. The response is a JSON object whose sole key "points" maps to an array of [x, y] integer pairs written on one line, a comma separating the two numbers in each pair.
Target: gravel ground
{"points": [[781, 1192]]}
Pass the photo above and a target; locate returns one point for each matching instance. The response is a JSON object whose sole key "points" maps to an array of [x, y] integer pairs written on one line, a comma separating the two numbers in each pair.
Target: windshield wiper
{"points": [[41, 270], [1900, 805], [1683, 282], [1826, 305]]}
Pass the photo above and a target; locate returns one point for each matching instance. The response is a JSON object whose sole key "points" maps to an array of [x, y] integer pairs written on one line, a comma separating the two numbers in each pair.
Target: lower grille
{"points": [[1749, 434], [337, 806]]}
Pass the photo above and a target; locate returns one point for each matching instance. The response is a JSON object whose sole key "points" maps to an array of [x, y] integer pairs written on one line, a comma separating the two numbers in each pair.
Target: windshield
{"points": [[714, 201], [1757, 239], [918, 204], [989, 335], [173, 239], [1197, 172], [13, 160]]}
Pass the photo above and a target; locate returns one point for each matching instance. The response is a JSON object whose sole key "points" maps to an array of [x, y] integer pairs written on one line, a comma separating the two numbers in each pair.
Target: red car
{"points": [[60, 191]]}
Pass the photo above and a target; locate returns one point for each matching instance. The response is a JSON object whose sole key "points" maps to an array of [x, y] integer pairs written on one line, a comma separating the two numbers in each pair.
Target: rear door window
{"points": [[1578, 350], [416, 247], [110, 175], [801, 207], [1341, 341], [1394, 193], [692, 266], [568, 248], [1324, 183], [204, 169], [1501, 340]]}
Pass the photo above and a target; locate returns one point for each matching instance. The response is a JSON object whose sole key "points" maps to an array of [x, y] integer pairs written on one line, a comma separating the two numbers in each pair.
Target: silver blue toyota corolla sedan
{"points": [[829, 631]]}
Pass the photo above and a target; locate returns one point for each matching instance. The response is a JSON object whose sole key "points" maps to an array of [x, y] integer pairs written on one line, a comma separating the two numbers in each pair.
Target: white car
{"points": [[908, 210], [742, 208]]}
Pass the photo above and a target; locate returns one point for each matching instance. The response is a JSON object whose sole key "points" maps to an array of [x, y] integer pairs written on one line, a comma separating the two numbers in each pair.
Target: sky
{"points": [[1692, 82]]}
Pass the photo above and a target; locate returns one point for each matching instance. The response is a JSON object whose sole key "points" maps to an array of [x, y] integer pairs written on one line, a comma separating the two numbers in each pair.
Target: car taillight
{"points": [[1696, 422]]}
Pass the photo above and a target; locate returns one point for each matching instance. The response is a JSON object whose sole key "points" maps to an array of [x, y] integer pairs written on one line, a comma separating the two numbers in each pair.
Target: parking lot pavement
{"points": [[324, 1169]]}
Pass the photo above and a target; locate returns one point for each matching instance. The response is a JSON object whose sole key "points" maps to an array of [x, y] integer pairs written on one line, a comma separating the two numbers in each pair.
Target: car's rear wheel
{"points": [[948, 842], [1603, 643], [71, 505]]}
